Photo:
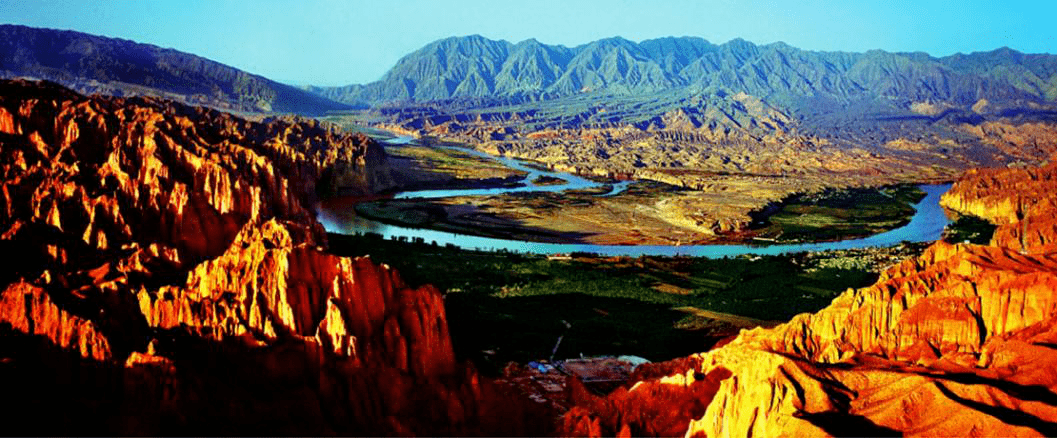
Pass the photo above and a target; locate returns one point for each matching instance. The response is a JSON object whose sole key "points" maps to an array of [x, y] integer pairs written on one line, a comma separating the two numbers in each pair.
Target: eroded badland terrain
{"points": [[957, 341], [167, 278], [167, 273]]}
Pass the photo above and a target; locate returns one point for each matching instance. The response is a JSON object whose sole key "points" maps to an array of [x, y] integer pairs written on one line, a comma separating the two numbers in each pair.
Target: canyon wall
{"points": [[168, 277], [956, 342]]}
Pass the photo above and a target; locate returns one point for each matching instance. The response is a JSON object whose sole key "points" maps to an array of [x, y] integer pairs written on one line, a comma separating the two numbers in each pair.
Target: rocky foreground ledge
{"points": [[957, 342], [168, 278]]}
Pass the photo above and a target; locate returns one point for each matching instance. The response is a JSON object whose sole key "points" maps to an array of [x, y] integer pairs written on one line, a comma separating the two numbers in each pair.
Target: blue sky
{"points": [[338, 42]]}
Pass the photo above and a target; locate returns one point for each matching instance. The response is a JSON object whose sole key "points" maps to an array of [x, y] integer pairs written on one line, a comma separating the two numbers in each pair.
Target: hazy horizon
{"points": [[326, 42]]}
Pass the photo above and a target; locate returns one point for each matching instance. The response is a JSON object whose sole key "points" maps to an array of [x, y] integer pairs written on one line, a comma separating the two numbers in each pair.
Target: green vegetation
{"points": [[358, 121], [453, 162], [513, 73], [504, 306], [842, 214], [827, 216], [969, 229], [422, 214], [544, 180]]}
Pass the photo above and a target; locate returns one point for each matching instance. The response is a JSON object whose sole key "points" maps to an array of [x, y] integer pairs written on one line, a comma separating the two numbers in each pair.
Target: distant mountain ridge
{"points": [[475, 71], [475, 66], [90, 63]]}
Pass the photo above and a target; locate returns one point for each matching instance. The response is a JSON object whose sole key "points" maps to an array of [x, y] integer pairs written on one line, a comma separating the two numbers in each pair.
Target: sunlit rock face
{"points": [[168, 277], [1022, 200], [956, 342]]}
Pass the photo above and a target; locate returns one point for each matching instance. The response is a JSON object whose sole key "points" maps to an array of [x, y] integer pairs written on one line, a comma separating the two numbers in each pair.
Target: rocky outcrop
{"points": [[958, 341], [1021, 200], [113, 172], [268, 288], [30, 310], [171, 278]]}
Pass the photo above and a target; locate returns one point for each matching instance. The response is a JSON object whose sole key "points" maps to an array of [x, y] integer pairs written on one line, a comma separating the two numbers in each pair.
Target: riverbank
{"points": [[511, 307], [416, 168], [627, 219], [927, 225], [634, 218], [838, 214]]}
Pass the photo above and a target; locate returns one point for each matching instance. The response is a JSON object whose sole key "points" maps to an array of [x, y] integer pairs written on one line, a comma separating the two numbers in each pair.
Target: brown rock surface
{"points": [[956, 342], [169, 279], [1031, 142], [30, 310]]}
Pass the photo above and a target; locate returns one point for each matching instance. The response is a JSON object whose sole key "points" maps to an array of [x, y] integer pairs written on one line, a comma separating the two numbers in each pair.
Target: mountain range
{"points": [[95, 64], [474, 66], [474, 72]]}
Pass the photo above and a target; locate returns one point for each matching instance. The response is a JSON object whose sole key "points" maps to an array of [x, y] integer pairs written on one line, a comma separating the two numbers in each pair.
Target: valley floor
{"points": [[732, 209], [506, 307], [644, 215]]}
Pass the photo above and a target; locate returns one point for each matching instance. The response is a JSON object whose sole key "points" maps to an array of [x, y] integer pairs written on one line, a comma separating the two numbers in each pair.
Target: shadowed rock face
{"points": [[959, 341], [169, 279]]}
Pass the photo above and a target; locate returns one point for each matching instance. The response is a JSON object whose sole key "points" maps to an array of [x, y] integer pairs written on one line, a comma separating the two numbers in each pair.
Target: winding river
{"points": [[925, 226], [572, 182]]}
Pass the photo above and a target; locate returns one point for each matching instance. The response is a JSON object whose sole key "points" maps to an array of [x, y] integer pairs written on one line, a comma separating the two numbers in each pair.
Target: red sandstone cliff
{"points": [[957, 342], [1023, 201], [168, 278]]}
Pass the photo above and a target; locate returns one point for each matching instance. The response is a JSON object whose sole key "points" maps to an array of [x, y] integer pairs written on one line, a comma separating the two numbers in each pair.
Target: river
{"points": [[925, 226], [572, 182]]}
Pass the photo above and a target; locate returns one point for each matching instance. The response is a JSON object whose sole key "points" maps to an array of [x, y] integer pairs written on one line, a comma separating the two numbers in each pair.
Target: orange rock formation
{"points": [[1021, 200], [957, 342], [169, 279]]}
